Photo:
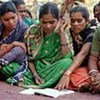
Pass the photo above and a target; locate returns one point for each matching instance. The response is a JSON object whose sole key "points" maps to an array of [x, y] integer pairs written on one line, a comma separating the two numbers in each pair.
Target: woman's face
{"points": [[21, 10], [48, 23], [78, 22], [9, 20], [97, 13]]}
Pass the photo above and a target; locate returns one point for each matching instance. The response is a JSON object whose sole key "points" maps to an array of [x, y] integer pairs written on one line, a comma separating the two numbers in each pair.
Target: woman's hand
{"points": [[38, 79], [61, 26], [95, 85], [63, 83], [6, 45], [5, 48], [22, 45]]}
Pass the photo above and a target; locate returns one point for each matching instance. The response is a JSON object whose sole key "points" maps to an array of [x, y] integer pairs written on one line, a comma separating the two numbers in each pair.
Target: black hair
{"points": [[29, 13], [83, 10], [7, 7], [18, 2], [49, 7], [94, 8]]}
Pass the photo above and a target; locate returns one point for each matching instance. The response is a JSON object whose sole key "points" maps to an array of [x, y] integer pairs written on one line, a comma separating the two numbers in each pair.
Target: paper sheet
{"points": [[47, 92]]}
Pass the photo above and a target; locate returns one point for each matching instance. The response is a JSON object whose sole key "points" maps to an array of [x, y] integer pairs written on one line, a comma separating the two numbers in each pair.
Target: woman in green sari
{"points": [[48, 53]]}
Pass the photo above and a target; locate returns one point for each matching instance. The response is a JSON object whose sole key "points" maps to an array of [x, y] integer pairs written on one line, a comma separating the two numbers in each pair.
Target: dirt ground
{"points": [[8, 92]]}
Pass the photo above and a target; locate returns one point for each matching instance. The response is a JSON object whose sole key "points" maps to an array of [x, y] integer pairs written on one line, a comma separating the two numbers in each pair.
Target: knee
{"points": [[18, 50]]}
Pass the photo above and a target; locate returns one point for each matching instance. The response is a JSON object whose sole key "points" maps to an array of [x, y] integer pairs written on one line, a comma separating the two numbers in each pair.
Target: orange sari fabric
{"points": [[79, 77]]}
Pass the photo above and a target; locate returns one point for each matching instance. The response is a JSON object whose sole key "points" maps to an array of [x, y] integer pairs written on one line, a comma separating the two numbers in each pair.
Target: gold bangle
{"points": [[64, 44], [66, 74]]}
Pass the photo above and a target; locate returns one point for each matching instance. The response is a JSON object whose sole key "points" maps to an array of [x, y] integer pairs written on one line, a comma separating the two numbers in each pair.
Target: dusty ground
{"points": [[8, 92]]}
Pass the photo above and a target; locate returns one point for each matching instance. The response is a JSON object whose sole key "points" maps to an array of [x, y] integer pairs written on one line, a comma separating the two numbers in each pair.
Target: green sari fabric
{"points": [[45, 52], [96, 41]]}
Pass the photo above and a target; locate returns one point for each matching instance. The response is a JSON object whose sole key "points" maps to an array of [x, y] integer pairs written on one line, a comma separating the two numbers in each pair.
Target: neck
{"points": [[6, 32], [74, 34], [7, 29]]}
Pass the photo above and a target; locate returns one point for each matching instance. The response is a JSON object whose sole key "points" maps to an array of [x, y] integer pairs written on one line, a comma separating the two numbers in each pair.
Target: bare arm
{"points": [[65, 79], [94, 73], [63, 10], [93, 61], [38, 79], [32, 68], [79, 58], [22, 45], [64, 45]]}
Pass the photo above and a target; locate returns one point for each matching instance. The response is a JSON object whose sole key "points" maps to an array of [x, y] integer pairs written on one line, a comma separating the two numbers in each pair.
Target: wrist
{"points": [[64, 44], [35, 74], [67, 73], [93, 72], [12, 45]]}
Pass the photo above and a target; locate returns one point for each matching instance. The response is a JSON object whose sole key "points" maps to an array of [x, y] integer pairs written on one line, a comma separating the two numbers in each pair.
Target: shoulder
{"points": [[22, 25], [88, 34], [32, 30]]}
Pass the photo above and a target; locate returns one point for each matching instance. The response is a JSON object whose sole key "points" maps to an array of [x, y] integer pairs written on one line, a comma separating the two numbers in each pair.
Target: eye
{"points": [[6, 20], [72, 21], [79, 20], [52, 22], [22, 11], [76, 20], [44, 22], [13, 17]]}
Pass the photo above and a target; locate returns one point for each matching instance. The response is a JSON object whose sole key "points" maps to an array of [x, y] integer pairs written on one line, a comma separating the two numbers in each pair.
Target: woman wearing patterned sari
{"points": [[11, 31], [49, 56]]}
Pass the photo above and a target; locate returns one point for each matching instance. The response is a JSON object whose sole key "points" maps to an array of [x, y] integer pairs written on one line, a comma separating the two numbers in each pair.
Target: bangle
{"points": [[66, 74], [93, 70], [64, 44]]}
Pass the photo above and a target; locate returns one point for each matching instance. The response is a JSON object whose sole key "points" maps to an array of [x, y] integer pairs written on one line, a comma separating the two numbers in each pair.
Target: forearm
{"points": [[93, 62], [63, 9], [16, 43], [64, 45], [79, 58], [32, 68], [76, 64]]}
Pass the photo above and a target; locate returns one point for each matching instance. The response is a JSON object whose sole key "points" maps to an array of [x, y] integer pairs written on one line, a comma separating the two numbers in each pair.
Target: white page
{"points": [[47, 92], [53, 92]]}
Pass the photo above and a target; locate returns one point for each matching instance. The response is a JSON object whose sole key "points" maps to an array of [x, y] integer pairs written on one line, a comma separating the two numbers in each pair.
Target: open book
{"points": [[47, 92]]}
